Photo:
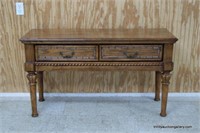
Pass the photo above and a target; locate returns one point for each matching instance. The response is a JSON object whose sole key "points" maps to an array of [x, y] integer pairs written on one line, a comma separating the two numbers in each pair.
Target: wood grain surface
{"points": [[181, 17], [102, 35]]}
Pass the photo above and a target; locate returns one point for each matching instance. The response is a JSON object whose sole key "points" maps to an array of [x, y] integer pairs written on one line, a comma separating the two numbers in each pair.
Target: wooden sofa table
{"points": [[99, 49]]}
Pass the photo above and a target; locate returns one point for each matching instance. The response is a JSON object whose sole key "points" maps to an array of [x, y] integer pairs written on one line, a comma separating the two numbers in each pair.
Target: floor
{"points": [[124, 114]]}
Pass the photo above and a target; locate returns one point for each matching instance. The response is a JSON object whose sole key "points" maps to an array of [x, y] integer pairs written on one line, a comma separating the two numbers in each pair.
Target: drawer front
{"points": [[131, 52], [66, 53]]}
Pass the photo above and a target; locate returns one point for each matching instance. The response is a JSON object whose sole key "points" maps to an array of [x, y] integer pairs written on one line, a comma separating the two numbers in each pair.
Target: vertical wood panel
{"points": [[181, 17]]}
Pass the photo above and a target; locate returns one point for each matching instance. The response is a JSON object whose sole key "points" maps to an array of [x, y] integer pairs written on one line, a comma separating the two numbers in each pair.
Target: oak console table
{"points": [[100, 49]]}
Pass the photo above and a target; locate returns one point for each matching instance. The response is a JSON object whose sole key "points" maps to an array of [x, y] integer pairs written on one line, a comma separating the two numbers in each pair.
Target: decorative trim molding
{"points": [[98, 64]]}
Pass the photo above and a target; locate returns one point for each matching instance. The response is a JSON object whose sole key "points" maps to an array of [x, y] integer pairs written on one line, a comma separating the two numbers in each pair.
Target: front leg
{"points": [[165, 86], [32, 83]]}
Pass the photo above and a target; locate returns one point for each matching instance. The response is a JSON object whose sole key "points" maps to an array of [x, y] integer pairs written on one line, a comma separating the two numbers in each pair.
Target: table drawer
{"points": [[131, 52], [66, 53]]}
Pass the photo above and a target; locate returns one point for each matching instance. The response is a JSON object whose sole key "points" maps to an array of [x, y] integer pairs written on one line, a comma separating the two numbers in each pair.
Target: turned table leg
{"points": [[157, 86], [165, 86], [32, 82], [40, 86]]}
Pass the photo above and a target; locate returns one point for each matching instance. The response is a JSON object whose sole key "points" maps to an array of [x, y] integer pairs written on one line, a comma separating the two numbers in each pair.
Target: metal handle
{"points": [[69, 54], [131, 55]]}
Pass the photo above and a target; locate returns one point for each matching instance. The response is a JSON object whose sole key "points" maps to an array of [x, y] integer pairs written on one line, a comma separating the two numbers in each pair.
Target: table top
{"points": [[98, 35]]}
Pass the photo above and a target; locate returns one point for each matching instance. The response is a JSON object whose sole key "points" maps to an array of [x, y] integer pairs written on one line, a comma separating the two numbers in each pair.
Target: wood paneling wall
{"points": [[181, 17]]}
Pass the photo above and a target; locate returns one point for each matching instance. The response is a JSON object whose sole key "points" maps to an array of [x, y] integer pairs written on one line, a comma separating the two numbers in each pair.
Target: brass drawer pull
{"points": [[69, 54], [131, 55]]}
